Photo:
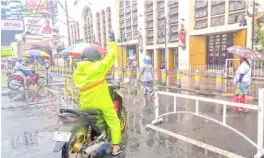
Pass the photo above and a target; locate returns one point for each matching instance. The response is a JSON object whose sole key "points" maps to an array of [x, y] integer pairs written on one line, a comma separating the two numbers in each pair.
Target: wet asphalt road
{"points": [[27, 130]]}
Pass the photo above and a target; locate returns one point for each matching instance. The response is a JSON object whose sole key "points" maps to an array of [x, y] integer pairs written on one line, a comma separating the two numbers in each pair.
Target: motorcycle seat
{"points": [[81, 112]]}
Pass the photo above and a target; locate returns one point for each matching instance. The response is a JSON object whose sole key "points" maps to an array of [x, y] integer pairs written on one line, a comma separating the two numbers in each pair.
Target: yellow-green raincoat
{"points": [[89, 77]]}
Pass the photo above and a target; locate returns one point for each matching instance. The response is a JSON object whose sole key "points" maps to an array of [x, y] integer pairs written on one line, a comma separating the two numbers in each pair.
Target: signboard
{"points": [[38, 26], [37, 7], [12, 25]]}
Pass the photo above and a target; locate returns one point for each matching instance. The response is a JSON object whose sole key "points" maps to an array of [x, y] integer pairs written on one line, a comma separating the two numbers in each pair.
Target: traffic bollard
{"points": [[218, 80], [163, 76], [138, 72], [197, 80], [179, 78], [129, 73]]}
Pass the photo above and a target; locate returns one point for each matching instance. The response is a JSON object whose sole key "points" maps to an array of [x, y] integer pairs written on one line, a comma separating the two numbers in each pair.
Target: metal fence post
{"points": [[163, 76], [156, 108], [197, 80], [260, 149], [179, 77], [218, 81]]}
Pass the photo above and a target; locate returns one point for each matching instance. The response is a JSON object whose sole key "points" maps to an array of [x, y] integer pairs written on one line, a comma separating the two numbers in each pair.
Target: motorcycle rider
{"points": [[26, 72], [89, 78]]}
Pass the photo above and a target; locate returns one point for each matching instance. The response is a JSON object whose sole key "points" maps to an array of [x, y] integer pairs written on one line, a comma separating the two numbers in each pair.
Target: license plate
{"points": [[62, 136]]}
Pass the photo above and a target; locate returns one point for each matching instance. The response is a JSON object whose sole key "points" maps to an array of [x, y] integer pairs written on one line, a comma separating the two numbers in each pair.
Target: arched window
{"points": [[88, 26], [104, 27], [98, 26], [109, 26]]}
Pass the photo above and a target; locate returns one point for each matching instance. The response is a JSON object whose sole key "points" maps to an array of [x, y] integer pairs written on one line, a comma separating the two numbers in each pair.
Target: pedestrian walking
{"points": [[242, 79], [162, 66], [147, 76]]}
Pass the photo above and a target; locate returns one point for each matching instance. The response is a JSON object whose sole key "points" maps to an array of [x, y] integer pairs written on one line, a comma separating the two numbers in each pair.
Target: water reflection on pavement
{"points": [[27, 130]]}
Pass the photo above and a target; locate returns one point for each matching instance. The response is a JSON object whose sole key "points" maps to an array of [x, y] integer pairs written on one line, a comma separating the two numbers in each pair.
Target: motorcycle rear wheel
{"points": [[14, 84], [78, 137], [123, 118]]}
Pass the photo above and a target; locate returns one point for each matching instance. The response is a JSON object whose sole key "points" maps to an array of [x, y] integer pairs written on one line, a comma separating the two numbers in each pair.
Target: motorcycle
{"points": [[80, 134], [14, 81]]}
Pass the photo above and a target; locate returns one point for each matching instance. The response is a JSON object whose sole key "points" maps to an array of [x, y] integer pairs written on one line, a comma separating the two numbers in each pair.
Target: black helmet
{"points": [[91, 54]]}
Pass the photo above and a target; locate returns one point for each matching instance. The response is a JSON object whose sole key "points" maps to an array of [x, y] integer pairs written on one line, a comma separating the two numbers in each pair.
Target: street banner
{"points": [[37, 7], [38, 26], [12, 25]]}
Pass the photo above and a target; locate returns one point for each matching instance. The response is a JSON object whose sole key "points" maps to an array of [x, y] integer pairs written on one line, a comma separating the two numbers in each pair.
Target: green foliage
{"points": [[260, 40]]}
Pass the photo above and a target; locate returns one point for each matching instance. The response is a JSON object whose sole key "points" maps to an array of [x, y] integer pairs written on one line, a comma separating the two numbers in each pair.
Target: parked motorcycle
{"points": [[14, 81], [80, 135]]}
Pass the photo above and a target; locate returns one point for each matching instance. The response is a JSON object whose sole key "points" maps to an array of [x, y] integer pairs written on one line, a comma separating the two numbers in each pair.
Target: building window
{"points": [[237, 5], [88, 26], [135, 19], [201, 11], [199, 24], [235, 18], [109, 21], [236, 11], [217, 7], [161, 22], [149, 22], [173, 20], [217, 21]]}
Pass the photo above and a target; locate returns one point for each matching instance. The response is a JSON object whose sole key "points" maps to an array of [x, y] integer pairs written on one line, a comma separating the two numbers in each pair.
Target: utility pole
{"points": [[67, 21], [253, 25], [166, 46]]}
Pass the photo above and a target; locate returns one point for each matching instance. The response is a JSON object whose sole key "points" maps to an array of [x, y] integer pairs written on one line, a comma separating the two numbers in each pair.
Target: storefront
{"points": [[211, 49]]}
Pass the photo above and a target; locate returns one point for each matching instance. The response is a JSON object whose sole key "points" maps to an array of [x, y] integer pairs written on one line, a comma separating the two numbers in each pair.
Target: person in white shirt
{"points": [[242, 79]]}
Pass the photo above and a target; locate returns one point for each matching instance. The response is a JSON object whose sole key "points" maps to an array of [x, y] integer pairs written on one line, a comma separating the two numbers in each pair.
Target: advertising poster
{"points": [[40, 7], [38, 26]]}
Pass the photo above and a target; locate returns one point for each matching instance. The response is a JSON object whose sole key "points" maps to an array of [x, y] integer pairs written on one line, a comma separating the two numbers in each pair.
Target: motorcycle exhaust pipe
{"points": [[93, 148]]}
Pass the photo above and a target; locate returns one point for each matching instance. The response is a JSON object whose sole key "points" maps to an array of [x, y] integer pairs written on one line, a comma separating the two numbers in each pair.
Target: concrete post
{"points": [[197, 80], [163, 76], [120, 73], [218, 81], [179, 78]]}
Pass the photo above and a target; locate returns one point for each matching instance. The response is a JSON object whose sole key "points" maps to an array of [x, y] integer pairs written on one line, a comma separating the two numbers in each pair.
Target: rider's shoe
{"points": [[119, 151]]}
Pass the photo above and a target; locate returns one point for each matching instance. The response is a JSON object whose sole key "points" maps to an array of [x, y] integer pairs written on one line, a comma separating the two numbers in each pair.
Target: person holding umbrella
{"points": [[242, 79]]}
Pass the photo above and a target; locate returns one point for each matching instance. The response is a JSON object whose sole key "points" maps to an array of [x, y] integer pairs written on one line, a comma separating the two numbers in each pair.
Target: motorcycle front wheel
{"points": [[42, 82], [14, 84]]}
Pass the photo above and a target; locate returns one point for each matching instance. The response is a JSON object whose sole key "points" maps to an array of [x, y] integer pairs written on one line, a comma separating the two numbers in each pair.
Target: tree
{"points": [[260, 40]]}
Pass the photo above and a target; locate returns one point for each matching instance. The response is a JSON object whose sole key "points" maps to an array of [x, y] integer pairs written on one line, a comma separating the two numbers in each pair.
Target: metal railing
{"points": [[257, 68], [259, 109]]}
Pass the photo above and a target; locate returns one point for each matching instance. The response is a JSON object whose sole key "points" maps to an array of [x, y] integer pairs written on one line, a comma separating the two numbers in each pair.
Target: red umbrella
{"points": [[77, 50]]}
